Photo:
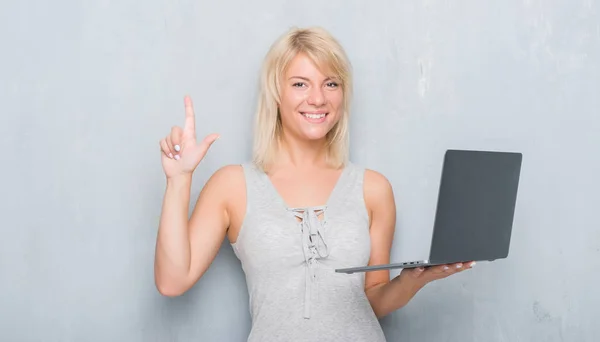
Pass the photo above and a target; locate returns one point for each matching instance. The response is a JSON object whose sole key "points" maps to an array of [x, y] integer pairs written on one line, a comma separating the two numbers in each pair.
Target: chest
{"points": [[275, 238], [305, 189]]}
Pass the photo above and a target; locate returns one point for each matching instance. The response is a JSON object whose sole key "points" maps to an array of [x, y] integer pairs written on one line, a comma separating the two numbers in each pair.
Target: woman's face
{"points": [[311, 103]]}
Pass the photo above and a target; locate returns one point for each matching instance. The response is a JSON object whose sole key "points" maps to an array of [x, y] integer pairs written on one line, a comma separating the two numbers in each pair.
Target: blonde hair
{"points": [[326, 52]]}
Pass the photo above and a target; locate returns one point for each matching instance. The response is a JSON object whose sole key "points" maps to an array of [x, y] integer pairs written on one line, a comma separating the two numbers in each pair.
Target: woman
{"points": [[298, 211]]}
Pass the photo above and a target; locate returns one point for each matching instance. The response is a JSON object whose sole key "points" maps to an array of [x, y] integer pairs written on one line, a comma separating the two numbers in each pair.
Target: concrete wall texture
{"points": [[87, 89]]}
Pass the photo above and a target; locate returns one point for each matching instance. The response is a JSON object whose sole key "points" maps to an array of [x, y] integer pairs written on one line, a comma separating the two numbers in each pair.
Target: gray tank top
{"points": [[289, 256]]}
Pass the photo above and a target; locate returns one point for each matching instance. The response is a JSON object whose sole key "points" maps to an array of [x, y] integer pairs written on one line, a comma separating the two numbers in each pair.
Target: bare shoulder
{"points": [[227, 187], [228, 176], [222, 185], [378, 190]]}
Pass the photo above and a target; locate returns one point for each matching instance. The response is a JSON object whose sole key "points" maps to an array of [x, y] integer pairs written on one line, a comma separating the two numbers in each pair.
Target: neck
{"points": [[302, 154]]}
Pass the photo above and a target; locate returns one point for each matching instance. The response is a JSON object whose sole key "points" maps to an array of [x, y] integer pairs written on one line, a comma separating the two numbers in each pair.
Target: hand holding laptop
{"points": [[428, 274]]}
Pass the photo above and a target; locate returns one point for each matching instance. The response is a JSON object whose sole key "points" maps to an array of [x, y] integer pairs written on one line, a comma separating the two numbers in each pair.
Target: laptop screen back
{"points": [[476, 205]]}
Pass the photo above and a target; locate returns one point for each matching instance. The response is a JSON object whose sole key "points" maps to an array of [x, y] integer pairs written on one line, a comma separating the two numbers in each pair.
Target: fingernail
{"points": [[177, 148], [445, 268], [177, 157], [459, 266], [171, 155], [473, 264]]}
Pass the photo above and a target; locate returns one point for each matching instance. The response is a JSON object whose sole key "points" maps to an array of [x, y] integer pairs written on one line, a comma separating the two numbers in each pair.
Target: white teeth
{"points": [[314, 116]]}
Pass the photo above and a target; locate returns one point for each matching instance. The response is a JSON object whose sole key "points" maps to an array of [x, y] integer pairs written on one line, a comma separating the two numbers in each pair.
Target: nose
{"points": [[316, 97]]}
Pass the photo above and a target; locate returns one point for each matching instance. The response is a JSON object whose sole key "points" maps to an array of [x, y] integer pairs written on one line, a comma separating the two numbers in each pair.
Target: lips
{"points": [[314, 117]]}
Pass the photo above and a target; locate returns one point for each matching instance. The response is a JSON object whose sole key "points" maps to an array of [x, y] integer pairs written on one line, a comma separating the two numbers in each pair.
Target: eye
{"points": [[298, 84], [332, 84]]}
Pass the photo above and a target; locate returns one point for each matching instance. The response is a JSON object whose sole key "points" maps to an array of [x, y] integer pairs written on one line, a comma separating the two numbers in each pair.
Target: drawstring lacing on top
{"points": [[314, 246]]}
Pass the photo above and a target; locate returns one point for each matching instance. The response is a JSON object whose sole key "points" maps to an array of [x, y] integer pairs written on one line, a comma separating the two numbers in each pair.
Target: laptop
{"points": [[475, 210]]}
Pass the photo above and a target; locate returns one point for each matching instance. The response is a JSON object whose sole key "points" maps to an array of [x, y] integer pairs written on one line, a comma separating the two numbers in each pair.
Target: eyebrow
{"points": [[306, 79], [300, 77]]}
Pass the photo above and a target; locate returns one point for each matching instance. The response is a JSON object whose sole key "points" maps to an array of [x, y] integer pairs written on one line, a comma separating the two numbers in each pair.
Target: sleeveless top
{"points": [[289, 257]]}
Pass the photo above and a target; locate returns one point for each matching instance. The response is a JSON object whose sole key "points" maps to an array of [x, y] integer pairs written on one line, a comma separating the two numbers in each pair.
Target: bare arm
{"points": [[384, 295], [379, 198], [172, 255], [186, 248]]}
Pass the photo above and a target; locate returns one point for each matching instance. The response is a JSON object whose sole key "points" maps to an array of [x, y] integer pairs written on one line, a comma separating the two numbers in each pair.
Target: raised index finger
{"points": [[190, 121]]}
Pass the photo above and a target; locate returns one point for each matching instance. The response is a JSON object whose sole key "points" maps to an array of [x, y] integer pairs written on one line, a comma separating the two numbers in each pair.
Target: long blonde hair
{"points": [[326, 52]]}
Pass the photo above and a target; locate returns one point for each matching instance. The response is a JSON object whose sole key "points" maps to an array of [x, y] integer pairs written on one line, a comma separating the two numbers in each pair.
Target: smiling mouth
{"points": [[314, 116]]}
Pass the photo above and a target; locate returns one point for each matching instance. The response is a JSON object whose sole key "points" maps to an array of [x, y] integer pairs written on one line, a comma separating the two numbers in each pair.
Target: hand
{"points": [[181, 154], [424, 275]]}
